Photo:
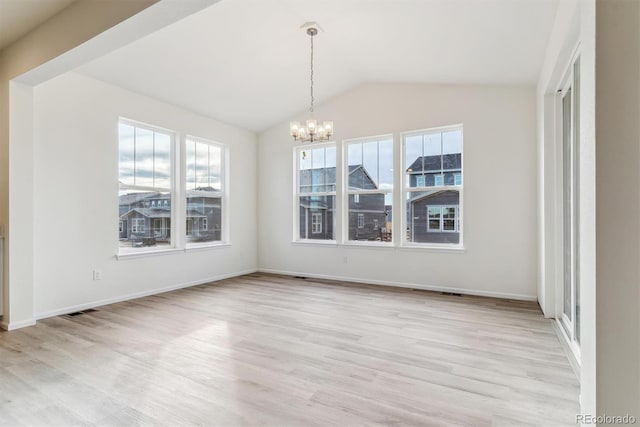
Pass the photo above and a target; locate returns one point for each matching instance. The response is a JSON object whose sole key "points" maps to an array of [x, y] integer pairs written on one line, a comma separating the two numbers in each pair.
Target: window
{"points": [[204, 175], [442, 219], [433, 186], [316, 223], [121, 226], [137, 226], [368, 174], [316, 192], [145, 173]]}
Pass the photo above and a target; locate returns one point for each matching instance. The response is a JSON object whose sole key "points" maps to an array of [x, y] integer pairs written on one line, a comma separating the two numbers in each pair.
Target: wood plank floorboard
{"points": [[273, 350]]}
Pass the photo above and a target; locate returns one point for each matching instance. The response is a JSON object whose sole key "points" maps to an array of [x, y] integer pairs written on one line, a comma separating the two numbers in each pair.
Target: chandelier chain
{"points": [[312, 99]]}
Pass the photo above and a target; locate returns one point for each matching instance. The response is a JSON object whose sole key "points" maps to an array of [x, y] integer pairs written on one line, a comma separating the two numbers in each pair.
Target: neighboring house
{"points": [[430, 171], [367, 213], [145, 218], [434, 216]]}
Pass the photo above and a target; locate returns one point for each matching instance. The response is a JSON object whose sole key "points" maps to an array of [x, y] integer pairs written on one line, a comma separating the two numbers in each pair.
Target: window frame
{"points": [[405, 189], [297, 238], [316, 223], [172, 191], [223, 194], [347, 192]]}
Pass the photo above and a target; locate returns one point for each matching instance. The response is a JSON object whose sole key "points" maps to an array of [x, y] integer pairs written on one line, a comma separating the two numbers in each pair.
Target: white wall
{"points": [[500, 254], [76, 203]]}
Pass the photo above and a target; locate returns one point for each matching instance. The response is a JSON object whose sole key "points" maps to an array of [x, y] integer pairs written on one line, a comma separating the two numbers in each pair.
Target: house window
{"points": [[433, 157], [121, 226], [145, 173], [316, 191], [368, 174], [137, 226], [442, 219], [205, 190], [316, 223]]}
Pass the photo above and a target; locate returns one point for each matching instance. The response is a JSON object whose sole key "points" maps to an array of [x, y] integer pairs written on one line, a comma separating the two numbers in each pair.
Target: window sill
{"points": [[311, 242], [433, 248], [368, 245], [204, 247], [149, 253]]}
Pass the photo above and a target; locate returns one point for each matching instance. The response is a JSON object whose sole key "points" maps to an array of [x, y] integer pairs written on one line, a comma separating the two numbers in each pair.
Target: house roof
{"points": [[160, 213], [330, 175], [426, 194], [433, 163]]}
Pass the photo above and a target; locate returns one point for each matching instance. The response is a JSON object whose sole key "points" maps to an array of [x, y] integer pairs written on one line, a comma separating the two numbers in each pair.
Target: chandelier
{"points": [[312, 132]]}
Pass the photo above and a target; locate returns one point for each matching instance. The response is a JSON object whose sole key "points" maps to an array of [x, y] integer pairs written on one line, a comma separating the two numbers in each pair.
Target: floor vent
{"points": [[299, 277], [78, 313], [452, 294]]}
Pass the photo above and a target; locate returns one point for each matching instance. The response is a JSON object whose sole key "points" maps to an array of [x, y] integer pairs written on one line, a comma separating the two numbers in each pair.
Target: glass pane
{"points": [[370, 217], [202, 165], [385, 150], [433, 144], [317, 217], [317, 170], [126, 154], [413, 159], [143, 157], [452, 142], [215, 167], [567, 196], [162, 161], [145, 219], [576, 194], [424, 213], [356, 177], [191, 164], [204, 217], [370, 164], [330, 165]]}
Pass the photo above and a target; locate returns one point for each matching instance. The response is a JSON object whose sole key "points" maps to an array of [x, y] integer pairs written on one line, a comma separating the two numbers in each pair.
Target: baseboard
{"points": [[502, 295], [127, 297], [11, 326]]}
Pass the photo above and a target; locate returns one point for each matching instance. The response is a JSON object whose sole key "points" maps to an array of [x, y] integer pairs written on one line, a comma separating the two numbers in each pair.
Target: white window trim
{"points": [[360, 220], [223, 194], [347, 191], [297, 195], [405, 189]]}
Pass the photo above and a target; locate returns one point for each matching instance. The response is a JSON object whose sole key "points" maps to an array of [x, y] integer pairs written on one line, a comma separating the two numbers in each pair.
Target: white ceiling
{"points": [[246, 62], [18, 17]]}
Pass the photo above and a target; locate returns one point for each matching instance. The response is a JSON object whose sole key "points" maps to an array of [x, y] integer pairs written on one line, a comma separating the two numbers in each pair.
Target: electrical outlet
{"points": [[345, 260], [97, 275]]}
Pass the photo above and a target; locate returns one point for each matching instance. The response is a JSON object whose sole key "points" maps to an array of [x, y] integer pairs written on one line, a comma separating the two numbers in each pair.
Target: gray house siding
{"points": [[372, 209], [417, 217]]}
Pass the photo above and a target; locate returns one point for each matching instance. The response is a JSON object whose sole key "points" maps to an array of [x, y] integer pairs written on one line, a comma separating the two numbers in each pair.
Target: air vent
{"points": [[78, 313], [453, 294]]}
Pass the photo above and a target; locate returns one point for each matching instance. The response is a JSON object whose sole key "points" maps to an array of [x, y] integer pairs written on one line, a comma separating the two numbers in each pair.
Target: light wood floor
{"points": [[272, 350]]}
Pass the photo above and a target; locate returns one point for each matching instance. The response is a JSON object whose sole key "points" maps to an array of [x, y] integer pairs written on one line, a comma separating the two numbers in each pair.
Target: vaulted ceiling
{"points": [[246, 62]]}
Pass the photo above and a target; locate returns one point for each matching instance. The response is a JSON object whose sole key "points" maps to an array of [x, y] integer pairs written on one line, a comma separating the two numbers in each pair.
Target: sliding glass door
{"points": [[570, 95]]}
